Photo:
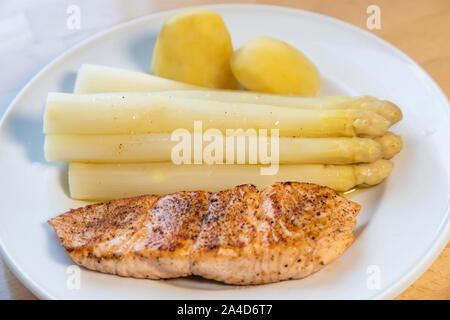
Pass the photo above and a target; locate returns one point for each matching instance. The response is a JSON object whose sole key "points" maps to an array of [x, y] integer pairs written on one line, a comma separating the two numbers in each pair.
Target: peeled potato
{"points": [[194, 46], [269, 65]]}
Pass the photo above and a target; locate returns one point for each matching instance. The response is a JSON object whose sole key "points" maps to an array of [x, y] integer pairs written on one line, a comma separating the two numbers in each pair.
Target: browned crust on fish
{"points": [[239, 236]]}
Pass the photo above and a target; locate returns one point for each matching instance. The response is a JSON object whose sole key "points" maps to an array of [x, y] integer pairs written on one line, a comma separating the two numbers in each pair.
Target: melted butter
{"points": [[350, 192]]}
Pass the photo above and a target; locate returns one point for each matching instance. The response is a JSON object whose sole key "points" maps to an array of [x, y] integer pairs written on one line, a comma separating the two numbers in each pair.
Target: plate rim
{"points": [[410, 275]]}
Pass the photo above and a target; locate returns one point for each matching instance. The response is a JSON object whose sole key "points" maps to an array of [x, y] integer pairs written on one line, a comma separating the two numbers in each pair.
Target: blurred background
{"points": [[34, 32]]}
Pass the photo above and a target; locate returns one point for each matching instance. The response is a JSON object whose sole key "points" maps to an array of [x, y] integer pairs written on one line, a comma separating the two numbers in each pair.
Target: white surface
{"points": [[403, 224], [33, 32]]}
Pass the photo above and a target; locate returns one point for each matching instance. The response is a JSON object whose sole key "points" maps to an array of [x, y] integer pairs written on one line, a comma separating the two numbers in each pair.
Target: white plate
{"points": [[403, 224]]}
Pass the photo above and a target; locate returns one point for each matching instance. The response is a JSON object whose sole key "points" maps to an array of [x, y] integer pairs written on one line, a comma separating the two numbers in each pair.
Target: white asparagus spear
{"points": [[384, 108], [97, 79], [158, 148], [133, 113], [112, 181], [391, 144], [101, 79]]}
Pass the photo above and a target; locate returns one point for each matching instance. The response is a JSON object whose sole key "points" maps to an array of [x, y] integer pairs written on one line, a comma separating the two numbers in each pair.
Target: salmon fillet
{"points": [[238, 236]]}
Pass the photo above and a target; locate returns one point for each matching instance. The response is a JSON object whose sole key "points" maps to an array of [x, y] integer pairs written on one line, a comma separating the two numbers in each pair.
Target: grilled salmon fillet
{"points": [[238, 236]]}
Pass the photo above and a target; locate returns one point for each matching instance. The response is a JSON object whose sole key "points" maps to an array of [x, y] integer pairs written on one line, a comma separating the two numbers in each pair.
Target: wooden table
{"points": [[420, 28]]}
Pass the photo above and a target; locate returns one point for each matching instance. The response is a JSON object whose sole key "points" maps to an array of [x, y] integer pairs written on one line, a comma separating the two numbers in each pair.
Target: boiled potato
{"points": [[269, 65], [194, 46]]}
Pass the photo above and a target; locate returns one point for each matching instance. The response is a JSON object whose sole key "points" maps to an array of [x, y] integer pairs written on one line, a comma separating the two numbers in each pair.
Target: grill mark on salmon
{"points": [[238, 236]]}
